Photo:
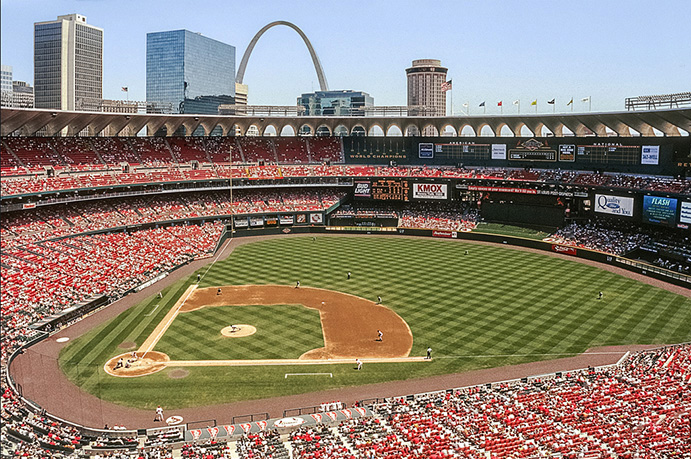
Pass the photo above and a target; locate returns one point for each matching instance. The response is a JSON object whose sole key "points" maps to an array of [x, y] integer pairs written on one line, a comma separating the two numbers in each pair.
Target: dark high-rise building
{"points": [[188, 73], [68, 64]]}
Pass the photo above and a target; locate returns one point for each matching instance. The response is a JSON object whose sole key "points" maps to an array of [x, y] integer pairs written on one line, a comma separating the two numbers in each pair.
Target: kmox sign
{"points": [[430, 191]]}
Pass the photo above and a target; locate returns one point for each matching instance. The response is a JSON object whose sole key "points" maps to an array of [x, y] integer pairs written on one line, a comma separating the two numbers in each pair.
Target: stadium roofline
{"points": [[29, 122]]}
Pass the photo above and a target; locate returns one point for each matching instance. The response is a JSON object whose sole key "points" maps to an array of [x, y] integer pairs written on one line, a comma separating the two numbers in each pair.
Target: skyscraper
{"points": [[188, 73], [425, 80], [6, 88], [68, 64]]}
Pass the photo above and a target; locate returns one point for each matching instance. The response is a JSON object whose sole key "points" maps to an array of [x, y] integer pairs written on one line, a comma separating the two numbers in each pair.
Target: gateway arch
{"points": [[315, 59]]}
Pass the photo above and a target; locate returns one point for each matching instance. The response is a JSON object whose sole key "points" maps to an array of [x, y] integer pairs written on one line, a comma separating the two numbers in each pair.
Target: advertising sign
{"points": [[429, 191], [241, 222], [316, 218], [650, 154], [362, 190], [499, 151], [685, 215], [614, 205], [659, 210], [426, 150], [286, 219]]}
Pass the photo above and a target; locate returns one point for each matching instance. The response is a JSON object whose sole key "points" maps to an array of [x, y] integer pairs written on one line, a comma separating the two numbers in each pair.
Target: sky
{"points": [[495, 50]]}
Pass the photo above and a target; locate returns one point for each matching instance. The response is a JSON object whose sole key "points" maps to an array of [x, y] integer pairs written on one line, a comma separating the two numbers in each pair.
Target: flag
{"points": [[465, 105], [124, 89], [516, 102], [586, 99], [482, 104], [499, 103], [570, 102], [446, 85], [551, 101]]}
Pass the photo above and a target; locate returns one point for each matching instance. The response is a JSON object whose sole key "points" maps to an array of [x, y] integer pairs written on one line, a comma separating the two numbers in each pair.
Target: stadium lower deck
{"points": [[637, 409]]}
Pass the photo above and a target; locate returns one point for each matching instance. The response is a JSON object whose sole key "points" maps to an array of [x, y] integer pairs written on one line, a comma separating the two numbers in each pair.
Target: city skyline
{"points": [[495, 51]]}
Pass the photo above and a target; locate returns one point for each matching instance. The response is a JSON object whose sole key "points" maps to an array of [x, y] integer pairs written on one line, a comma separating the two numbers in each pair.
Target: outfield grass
{"points": [[511, 230], [494, 306]]}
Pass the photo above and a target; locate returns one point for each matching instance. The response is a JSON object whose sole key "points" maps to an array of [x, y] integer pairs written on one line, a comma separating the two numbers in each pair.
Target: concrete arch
{"points": [[323, 130], [394, 131], [504, 130], [315, 59], [375, 130], [341, 130], [448, 130], [270, 130], [288, 130], [467, 131]]}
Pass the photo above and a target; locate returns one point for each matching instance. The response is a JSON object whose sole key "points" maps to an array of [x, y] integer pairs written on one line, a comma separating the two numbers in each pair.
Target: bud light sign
{"points": [[429, 191], [614, 205], [362, 189]]}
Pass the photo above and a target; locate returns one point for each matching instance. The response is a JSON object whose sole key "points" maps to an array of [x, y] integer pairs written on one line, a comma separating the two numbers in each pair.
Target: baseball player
{"points": [[359, 364], [218, 292], [429, 353], [600, 295], [380, 335], [378, 300], [348, 275], [297, 284], [159, 414]]}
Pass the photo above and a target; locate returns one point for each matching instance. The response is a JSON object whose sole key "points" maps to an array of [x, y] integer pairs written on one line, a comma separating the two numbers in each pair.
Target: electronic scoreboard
{"points": [[390, 190]]}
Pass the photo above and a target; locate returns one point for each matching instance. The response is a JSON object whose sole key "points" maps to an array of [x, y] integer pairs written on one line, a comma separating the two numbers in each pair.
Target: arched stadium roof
{"points": [[28, 122]]}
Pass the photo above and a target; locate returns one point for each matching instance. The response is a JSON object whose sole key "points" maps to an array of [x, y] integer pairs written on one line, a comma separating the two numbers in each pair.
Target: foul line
{"points": [[331, 375], [150, 342], [484, 356]]}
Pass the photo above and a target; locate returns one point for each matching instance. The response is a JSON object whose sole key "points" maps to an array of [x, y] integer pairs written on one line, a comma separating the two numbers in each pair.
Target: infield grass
{"points": [[495, 306]]}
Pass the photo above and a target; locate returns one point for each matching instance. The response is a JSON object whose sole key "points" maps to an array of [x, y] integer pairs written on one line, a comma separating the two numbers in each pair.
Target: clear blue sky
{"points": [[495, 50]]}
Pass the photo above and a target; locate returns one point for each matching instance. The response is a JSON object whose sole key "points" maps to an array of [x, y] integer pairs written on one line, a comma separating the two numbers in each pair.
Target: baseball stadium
{"points": [[391, 283], [347, 296]]}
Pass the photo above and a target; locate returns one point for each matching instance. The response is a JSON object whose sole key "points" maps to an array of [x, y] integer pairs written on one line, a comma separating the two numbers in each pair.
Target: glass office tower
{"points": [[188, 73]]}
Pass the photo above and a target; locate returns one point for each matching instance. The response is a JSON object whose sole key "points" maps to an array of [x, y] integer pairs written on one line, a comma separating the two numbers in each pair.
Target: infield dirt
{"points": [[349, 323]]}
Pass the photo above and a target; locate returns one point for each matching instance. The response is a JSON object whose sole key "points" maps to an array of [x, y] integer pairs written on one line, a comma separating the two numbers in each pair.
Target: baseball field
{"points": [[476, 306]]}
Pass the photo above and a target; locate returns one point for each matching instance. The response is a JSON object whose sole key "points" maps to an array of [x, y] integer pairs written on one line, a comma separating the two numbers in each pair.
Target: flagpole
{"points": [[451, 97], [590, 102], [571, 103]]}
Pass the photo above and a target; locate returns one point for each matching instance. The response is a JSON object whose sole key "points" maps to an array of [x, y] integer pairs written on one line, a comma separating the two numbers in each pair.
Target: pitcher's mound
{"points": [[238, 331]]}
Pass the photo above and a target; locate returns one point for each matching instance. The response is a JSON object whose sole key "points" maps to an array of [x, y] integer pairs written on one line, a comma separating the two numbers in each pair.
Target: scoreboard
{"points": [[390, 190], [609, 154]]}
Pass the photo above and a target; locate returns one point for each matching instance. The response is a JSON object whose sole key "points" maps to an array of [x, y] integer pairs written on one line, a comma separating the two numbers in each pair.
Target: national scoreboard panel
{"points": [[464, 152], [609, 154], [390, 190]]}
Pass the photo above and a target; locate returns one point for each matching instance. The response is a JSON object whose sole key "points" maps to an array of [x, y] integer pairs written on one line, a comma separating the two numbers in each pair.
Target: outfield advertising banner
{"points": [[256, 221], [300, 218], [659, 210], [241, 222], [430, 191], [564, 249], [442, 233], [286, 219], [614, 205], [316, 219]]}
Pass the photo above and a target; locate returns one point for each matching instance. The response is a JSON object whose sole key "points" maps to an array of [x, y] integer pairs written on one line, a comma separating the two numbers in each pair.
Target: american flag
{"points": [[124, 89], [446, 86]]}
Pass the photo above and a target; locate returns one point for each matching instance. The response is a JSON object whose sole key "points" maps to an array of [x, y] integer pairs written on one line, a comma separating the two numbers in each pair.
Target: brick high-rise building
{"points": [[425, 80]]}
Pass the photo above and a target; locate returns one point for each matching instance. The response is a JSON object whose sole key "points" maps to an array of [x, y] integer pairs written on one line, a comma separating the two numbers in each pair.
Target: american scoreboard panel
{"points": [[459, 151], [390, 190]]}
